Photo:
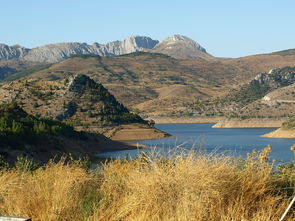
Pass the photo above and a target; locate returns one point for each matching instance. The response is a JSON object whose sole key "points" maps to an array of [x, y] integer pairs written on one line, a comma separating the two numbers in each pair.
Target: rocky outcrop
{"points": [[12, 52], [275, 78], [129, 45]]}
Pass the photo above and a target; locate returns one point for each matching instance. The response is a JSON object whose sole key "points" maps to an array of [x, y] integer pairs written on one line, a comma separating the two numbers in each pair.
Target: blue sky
{"points": [[226, 28]]}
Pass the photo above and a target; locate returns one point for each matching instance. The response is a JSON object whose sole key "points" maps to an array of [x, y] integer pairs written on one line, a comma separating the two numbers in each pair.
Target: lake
{"points": [[233, 141]]}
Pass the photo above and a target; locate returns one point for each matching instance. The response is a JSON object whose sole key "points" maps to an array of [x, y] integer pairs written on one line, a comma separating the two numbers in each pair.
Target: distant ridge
{"points": [[175, 46], [285, 52]]}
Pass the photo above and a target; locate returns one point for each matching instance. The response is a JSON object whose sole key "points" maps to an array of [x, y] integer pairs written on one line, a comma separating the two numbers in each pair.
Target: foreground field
{"points": [[187, 187]]}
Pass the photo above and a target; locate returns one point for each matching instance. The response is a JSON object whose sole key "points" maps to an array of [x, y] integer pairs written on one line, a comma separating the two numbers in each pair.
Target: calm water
{"points": [[236, 142]]}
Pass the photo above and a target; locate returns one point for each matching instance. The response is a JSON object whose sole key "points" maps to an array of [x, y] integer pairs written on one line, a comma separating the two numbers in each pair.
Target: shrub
{"points": [[289, 124]]}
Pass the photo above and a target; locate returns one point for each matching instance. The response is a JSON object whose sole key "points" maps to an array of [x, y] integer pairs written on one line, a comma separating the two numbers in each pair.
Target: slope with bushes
{"points": [[77, 100], [42, 139]]}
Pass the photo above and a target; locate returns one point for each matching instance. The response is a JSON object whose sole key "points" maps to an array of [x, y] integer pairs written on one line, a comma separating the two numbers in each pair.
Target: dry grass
{"points": [[53, 193], [150, 188]]}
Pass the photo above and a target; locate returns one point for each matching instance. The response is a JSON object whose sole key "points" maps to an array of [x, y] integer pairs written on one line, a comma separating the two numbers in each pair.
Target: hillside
{"points": [[287, 130], [155, 84], [11, 67], [268, 95], [144, 80], [77, 99], [43, 139], [267, 99], [257, 98]]}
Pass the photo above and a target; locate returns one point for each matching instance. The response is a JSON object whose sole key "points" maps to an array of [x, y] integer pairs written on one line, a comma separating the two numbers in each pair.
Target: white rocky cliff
{"points": [[180, 46], [176, 46]]}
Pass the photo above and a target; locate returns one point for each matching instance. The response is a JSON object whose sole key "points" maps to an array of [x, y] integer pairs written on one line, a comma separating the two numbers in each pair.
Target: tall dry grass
{"points": [[187, 187], [55, 192]]}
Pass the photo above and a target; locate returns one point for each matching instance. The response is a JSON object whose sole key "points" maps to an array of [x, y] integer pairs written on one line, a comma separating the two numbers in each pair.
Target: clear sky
{"points": [[226, 28]]}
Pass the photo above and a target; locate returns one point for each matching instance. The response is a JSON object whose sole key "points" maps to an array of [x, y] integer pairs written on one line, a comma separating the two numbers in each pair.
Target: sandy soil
{"points": [[281, 133], [249, 123], [136, 132], [184, 120]]}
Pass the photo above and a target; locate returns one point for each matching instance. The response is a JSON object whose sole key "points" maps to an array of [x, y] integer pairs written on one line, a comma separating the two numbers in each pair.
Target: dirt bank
{"points": [[184, 120], [249, 123], [281, 133], [135, 132]]}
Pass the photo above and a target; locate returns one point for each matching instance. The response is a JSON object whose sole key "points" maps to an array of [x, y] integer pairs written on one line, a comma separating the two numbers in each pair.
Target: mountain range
{"points": [[176, 46], [157, 78]]}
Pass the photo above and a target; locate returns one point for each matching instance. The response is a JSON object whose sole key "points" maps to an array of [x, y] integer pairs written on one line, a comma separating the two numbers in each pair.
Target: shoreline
{"points": [[127, 146], [250, 123], [281, 133], [133, 132], [184, 120]]}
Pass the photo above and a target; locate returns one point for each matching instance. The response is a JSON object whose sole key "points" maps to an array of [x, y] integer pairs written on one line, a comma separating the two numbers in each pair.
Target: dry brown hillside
{"points": [[157, 84], [262, 63], [150, 82], [78, 100]]}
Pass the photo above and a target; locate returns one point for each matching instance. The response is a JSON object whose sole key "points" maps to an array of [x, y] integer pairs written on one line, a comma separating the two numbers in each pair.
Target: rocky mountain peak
{"points": [[181, 39], [175, 45], [79, 82]]}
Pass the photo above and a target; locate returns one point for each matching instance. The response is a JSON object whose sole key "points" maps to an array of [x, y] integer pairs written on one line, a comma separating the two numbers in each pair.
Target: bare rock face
{"points": [[180, 39], [176, 46], [181, 47], [58, 52], [276, 77], [12, 52], [129, 45]]}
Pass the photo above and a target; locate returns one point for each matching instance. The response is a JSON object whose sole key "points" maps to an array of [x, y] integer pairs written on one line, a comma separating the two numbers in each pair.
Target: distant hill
{"points": [[267, 95], [285, 52], [144, 80], [77, 100]]}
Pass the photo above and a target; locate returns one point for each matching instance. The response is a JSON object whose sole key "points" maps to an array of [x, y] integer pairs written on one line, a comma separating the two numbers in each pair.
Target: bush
{"points": [[290, 124]]}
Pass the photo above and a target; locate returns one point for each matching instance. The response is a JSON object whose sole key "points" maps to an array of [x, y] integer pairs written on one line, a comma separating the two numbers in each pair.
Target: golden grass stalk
{"points": [[53, 193], [181, 187], [188, 188]]}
